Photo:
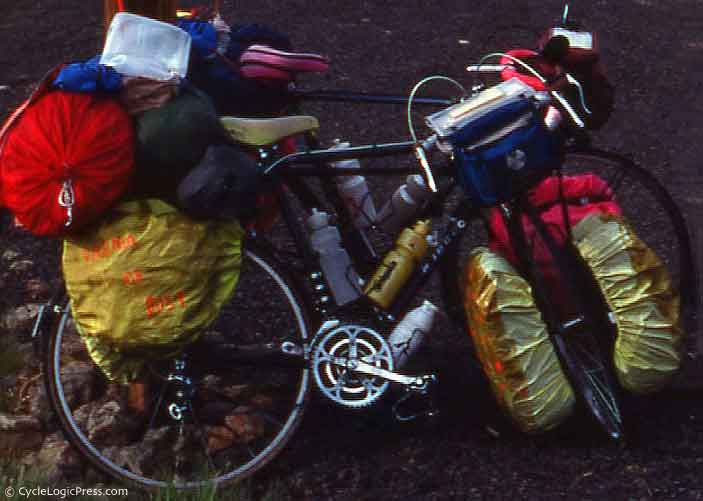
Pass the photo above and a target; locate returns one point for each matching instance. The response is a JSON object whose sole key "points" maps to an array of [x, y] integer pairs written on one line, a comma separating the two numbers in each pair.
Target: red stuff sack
{"points": [[64, 159], [584, 194]]}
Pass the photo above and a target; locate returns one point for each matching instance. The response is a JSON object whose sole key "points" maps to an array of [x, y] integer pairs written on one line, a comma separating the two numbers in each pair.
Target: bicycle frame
{"points": [[289, 171]]}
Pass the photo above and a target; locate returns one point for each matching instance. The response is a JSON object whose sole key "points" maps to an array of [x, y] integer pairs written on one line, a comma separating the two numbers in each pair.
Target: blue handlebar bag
{"points": [[504, 152]]}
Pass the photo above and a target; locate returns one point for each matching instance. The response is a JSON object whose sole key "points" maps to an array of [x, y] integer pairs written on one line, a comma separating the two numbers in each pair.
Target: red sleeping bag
{"points": [[584, 195], [64, 159]]}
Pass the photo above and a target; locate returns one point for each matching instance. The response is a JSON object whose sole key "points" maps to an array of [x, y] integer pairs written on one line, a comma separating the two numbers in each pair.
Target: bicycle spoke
{"points": [[605, 396], [225, 420], [160, 400]]}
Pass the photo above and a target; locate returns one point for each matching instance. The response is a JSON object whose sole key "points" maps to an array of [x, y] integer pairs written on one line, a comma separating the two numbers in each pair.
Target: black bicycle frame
{"points": [[288, 172], [343, 96]]}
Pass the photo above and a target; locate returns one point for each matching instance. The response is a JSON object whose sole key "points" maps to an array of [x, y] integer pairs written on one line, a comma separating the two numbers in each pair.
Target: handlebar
{"points": [[556, 96], [420, 147], [564, 104], [488, 68]]}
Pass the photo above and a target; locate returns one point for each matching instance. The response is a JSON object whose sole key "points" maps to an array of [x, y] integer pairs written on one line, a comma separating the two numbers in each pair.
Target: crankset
{"points": [[353, 366]]}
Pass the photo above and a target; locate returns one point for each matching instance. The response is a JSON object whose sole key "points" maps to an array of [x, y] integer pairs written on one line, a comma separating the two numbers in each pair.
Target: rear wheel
{"points": [[210, 416]]}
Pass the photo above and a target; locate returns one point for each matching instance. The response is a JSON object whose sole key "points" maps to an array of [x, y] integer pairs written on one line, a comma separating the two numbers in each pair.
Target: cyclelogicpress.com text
{"points": [[63, 492]]}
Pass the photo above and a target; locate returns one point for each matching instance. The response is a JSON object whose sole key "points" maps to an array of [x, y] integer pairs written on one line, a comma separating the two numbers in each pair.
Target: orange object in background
{"points": [[198, 8], [163, 10]]}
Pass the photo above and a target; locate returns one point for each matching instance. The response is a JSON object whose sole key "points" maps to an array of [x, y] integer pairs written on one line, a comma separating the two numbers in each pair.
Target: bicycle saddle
{"points": [[265, 131]]}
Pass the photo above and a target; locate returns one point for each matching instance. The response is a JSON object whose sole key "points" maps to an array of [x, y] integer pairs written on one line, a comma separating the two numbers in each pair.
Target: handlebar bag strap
{"points": [[504, 152]]}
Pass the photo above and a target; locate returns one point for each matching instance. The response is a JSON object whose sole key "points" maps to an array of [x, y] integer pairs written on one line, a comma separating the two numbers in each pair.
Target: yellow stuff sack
{"points": [[147, 281], [638, 290], [513, 345]]}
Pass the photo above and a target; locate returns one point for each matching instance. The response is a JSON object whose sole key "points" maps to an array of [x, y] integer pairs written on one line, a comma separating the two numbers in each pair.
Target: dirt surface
{"points": [[653, 52]]}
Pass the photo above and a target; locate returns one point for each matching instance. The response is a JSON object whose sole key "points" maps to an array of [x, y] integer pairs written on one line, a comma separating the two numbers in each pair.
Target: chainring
{"points": [[340, 383]]}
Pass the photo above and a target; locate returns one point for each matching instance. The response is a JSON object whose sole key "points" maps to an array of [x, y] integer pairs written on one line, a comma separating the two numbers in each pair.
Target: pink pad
{"points": [[259, 71], [285, 61]]}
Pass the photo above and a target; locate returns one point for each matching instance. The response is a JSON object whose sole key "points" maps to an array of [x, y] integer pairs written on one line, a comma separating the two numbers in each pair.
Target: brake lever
{"points": [[575, 82], [568, 108]]}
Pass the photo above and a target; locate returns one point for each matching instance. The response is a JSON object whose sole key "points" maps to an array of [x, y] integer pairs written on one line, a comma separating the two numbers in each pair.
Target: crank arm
{"points": [[371, 370]]}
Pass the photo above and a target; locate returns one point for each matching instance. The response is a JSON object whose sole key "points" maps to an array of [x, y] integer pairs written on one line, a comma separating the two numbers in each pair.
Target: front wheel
{"points": [[192, 420], [657, 221], [589, 370]]}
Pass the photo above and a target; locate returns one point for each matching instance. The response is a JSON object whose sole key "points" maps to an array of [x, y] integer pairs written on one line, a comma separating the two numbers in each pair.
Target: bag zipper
{"points": [[67, 198]]}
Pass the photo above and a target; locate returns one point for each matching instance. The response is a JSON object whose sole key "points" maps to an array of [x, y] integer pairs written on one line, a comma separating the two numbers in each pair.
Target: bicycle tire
{"points": [[653, 214], [671, 242], [592, 378], [126, 458]]}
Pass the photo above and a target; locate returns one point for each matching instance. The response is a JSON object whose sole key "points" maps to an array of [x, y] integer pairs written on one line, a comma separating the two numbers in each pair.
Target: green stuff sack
{"points": [[513, 345], [147, 281], [171, 140], [638, 290]]}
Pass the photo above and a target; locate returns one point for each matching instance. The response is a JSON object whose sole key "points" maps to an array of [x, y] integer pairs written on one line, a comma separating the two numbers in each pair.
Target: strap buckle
{"points": [[67, 198]]}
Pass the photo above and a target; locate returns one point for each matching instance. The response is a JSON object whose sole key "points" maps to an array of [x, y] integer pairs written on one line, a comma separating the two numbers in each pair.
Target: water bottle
{"points": [[409, 334], [399, 264], [404, 204], [335, 263], [354, 190]]}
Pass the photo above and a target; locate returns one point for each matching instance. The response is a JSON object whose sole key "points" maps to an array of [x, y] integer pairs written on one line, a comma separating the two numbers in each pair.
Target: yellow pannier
{"points": [[147, 281], [638, 289], [513, 345]]}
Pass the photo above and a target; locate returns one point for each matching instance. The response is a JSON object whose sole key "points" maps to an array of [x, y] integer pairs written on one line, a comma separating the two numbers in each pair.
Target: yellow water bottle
{"points": [[399, 264]]}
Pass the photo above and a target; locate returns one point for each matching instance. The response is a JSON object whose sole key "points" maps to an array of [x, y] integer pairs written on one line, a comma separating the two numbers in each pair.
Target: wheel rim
{"points": [[237, 418], [588, 372]]}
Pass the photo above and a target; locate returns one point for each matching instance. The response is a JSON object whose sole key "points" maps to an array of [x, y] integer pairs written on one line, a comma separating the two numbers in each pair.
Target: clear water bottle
{"points": [[354, 190], [404, 204], [336, 265], [410, 333], [355, 194]]}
